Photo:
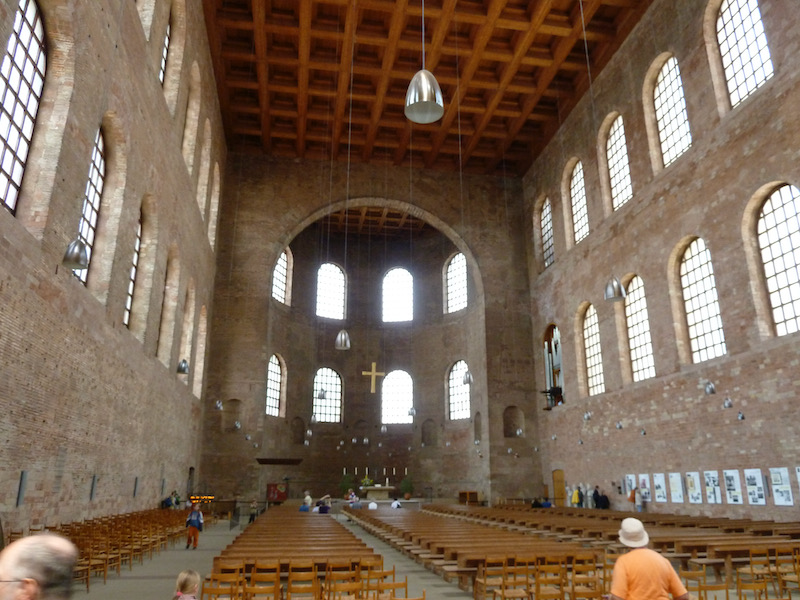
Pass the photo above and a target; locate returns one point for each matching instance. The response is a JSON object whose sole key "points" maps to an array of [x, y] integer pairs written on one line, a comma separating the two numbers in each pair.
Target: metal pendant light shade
{"points": [[342, 340], [77, 255], [614, 291], [468, 378], [183, 367], [424, 100]]}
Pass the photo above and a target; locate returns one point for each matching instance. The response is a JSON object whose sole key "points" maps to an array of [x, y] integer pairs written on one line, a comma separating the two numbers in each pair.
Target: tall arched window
{"points": [[619, 171], [21, 82], [779, 241], [706, 337], [330, 292], [546, 226], [397, 398], [90, 212], [137, 246], [456, 283], [577, 193], [398, 296], [458, 392], [743, 48], [327, 403], [282, 278], [670, 109], [638, 321], [275, 387], [594, 356]]}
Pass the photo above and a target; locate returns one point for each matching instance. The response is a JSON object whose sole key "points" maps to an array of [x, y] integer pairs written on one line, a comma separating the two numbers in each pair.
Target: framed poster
{"points": [[713, 491], [630, 483], [644, 486], [781, 486], [659, 487], [755, 487], [733, 487], [675, 488], [693, 488]]}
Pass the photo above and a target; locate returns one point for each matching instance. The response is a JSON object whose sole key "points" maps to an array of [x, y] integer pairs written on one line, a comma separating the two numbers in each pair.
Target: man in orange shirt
{"points": [[641, 573]]}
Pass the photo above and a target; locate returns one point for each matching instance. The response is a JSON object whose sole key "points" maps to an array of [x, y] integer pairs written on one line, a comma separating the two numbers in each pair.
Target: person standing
{"points": [[638, 501], [596, 496], [38, 567], [641, 573], [253, 511], [194, 522]]}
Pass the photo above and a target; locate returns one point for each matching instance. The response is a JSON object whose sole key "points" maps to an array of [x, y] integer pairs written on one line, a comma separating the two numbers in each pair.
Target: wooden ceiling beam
{"points": [[304, 52], [262, 69]]}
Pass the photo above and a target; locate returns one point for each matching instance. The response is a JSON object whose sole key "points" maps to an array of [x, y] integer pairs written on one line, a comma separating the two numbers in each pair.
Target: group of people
{"points": [[40, 567]]}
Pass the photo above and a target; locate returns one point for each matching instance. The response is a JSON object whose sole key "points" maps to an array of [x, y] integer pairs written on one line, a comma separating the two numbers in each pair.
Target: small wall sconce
{"points": [[183, 367], [710, 388], [727, 403], [740, 416], [614, 291], [76, 256]]}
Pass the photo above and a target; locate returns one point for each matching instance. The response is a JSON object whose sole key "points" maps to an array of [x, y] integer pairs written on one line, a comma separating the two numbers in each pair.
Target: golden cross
{"points": [[373, 374]]}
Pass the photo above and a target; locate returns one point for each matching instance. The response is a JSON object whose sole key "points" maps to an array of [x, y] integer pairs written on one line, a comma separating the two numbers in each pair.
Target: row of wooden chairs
{"points": [[343, 579]]}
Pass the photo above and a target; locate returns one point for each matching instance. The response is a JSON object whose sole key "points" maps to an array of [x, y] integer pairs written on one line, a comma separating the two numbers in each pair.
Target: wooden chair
{"points": [[302, 581], [489, 576], [232, 581], [263, 586], [393, 589], [515, 584], [371, 579], [790, 580], [717, 590], [219, 589], [609, 560], [549, 581], [345, 590], [759, 568], [585, 581], [755, 590], [692, 579], [80, 573]]}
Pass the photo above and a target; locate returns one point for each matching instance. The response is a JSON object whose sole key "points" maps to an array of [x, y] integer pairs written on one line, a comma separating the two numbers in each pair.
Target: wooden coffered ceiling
{"points": [[510, 72]]}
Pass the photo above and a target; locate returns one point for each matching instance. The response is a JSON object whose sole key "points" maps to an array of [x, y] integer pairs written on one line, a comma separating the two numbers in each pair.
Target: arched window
{"points": [[546, 225], [779, 241], [743, 48], [639, 343], [456, 284], [93, 193], [327, 403], [701, 303], [330, 292], [398, 296], [594, 356], [137, 246], [619, 172], [281, 278], [21, 83], [397, 398], [275, 387], [670, 110], [162, 71], [577, 193], [458, 392]]}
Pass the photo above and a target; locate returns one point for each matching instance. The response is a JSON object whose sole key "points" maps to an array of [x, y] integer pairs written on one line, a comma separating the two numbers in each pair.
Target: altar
{"points": [[378, 492]]}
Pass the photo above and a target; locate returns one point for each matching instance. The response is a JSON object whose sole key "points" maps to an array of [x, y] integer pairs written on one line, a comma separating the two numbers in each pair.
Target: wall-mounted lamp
{"points": [[614, 291], [183, 367], [76, 255], [342, 340], [710, 388]]}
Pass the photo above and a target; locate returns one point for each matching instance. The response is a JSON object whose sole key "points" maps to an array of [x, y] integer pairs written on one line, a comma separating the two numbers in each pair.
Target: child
{"points": [[187, 586]]}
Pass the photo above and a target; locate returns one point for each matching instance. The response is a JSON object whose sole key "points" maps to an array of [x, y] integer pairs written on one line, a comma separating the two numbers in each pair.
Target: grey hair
{"points": [[48, 559]]}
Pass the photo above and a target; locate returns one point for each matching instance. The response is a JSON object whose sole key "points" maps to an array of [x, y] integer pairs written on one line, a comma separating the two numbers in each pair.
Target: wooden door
{"points": [[559, 493]]}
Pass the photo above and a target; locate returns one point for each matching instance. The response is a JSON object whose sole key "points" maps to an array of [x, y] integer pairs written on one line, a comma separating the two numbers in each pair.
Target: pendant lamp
{"points": [[424, 100], [77, 255], [342, 340], [614, 291]]}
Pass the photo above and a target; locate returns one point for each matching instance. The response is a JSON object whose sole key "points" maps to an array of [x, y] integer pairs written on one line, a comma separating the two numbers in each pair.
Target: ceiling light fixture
{"points": [[183, 367], [710, 388], [424, 100], [76, 256], [614, 291]]}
